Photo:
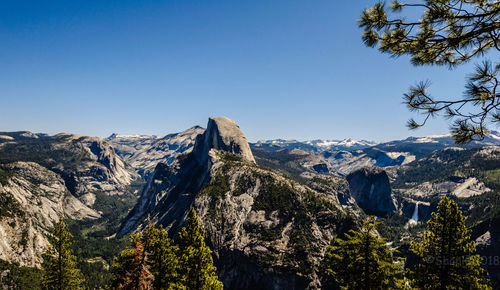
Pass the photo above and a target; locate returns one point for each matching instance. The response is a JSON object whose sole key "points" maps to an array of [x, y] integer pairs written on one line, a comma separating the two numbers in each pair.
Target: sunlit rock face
{"points": [[171, 189], [31, 201], [43, 178], [266, 231], [222, 134], [144, 152]]}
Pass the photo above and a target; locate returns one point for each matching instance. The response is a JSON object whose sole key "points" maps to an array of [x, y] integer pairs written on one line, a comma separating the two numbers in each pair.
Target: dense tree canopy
{"points": [[152, 261], [144, 264], [448, 32], [447, 252]]}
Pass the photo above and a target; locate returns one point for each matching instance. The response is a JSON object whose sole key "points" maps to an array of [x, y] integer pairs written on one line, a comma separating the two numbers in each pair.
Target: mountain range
{"points": [[269, 208]]}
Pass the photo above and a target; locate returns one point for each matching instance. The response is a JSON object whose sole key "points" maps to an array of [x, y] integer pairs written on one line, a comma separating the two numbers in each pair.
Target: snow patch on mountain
{"points": [[342, 143], [316, 146], [432, 138]]}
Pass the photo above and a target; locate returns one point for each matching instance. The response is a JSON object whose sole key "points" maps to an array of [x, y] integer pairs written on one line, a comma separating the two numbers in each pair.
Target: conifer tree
{"points": [[59, 267], [130, 269], [362, 261], [446, 33], [121, 267], [162, 258], [447, 252], [197, 265]]}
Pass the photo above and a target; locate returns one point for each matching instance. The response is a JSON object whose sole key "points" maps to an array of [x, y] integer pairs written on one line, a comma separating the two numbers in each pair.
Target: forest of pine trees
{"points": [[152, 261], [447, 257], [361, 259]]}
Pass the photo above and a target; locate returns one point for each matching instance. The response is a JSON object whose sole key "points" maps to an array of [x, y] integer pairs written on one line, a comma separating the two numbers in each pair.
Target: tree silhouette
{"points": [[449, 32]]}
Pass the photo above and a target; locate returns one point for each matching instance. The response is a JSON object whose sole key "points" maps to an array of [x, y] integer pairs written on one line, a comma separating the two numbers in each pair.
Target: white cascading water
{"points": [[415, 213]]}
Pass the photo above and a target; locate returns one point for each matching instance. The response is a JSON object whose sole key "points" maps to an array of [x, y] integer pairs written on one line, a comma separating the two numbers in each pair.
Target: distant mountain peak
{"points": [[115, 136], [317, 145]]}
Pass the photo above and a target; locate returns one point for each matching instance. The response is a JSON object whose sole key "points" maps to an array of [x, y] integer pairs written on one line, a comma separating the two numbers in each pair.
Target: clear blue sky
{"points": [[280, 69]]}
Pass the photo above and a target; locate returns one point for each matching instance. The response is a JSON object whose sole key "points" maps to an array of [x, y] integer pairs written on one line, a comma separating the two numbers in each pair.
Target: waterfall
{"points": [[415, 213], [414, 218]]}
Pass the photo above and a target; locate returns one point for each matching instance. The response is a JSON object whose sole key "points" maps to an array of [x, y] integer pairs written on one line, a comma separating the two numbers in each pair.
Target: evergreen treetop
{"points": [[59, 267], [152, 261], [162, 258], [130, 270], [361, 260], [447, 252], [197, 265]]}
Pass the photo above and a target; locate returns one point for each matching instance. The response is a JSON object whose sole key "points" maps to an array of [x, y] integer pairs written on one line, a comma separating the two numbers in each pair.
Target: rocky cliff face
{"points": [[99, 169], [416, 209], [160, 200], [222, 134], [145, 152], [45, 177], [86, 164], [267, 222], [265, 230], [370, 188], [487, 237], [32, 198]]}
